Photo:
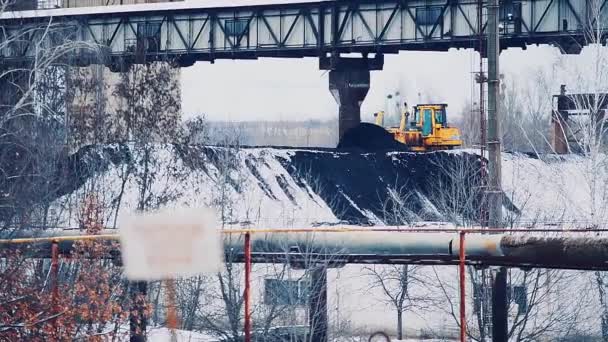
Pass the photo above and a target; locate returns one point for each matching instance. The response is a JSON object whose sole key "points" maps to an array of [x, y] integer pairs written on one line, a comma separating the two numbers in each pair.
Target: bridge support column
{"points": [[349, 88], [500, 307], [318, 318], [349, 81]]}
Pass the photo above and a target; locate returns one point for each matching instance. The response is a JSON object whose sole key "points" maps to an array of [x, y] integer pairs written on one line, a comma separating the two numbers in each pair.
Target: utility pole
{"points": [[499, 288], [494, 168], [483, 300]]}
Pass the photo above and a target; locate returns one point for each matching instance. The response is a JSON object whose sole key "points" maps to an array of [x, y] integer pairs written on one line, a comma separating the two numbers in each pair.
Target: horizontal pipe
{"points": [[76, 233], [327, 240], [383, 246], [376, 242]]}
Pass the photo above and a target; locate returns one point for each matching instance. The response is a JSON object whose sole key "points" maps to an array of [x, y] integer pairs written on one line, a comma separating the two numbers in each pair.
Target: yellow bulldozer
{"points": [[427, 131]]}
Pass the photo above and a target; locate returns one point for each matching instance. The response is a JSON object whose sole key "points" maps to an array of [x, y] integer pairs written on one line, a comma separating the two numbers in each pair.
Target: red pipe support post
{"points": [[247, 294], [463, 317], [55, 274], [55, 281]]}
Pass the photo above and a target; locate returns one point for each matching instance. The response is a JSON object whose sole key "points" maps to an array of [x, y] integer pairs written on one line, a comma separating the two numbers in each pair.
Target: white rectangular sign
{"points": [[171, 243]]}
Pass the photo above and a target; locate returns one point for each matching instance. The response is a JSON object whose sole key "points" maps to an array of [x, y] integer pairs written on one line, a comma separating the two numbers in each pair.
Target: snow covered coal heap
{"points": [[392, 187], [278, 187]]}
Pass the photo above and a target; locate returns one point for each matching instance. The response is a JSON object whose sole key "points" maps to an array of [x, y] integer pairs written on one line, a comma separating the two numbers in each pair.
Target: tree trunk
{"points": [[137, 319], [604, 306], [399, 325]]}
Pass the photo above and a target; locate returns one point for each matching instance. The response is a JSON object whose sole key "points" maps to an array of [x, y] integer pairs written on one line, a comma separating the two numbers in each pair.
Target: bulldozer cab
{"points": [[427, 117]]}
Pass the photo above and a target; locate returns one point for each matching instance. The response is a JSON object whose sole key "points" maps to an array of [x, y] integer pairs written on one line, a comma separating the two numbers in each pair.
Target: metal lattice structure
{"points": [[189, 33]]}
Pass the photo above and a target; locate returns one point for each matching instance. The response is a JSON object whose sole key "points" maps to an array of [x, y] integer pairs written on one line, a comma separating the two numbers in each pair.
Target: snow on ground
{"points": [[563, 190], [165, 335], [425, 340]]}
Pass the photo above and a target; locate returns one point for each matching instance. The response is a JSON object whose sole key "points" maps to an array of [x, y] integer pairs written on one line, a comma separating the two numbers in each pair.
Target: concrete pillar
{"points": [[349, 87], [349, 81]]}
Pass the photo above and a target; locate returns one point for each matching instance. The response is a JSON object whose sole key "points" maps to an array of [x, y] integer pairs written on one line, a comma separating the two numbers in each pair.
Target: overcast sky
{"points": [[295, 89]]}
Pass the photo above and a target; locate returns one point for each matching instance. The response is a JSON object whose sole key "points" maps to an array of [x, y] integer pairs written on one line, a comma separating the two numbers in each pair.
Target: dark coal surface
{"points": [[358, 184], [370, 137], [354, 182]]}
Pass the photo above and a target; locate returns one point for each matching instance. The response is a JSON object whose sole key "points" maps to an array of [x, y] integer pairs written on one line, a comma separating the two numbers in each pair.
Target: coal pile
{"points": [[358, 186], [370, 137]]}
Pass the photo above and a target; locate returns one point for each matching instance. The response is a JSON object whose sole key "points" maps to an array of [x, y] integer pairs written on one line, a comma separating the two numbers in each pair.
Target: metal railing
{"points": [[51, 4]]}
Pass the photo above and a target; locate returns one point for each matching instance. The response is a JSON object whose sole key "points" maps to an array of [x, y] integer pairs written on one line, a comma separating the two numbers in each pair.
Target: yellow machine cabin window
{"points": [[439, 117]]}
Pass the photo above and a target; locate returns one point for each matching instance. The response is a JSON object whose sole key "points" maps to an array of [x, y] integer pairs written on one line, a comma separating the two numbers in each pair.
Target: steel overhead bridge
{"points": [[207, 30]]}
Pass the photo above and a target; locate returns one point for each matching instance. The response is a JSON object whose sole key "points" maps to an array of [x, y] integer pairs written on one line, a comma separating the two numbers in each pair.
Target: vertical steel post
{"points": [[482, 79], [55, 274], [55, 281], [247, 293], [499, 293], [461, 267]]}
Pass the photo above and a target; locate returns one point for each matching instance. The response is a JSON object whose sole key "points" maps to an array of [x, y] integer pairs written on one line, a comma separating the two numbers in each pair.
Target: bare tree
{"points": [[147, 113], [537, 308], [468, 122], [525, 106], [460, 201], [84, 301], [457, 189], [32, 117], [88, 120], [587, 132], [403, 287], [455, 197]]}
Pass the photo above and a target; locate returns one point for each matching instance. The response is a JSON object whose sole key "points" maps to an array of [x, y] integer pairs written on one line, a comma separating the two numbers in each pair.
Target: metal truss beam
{"points": [[299, 30]]}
